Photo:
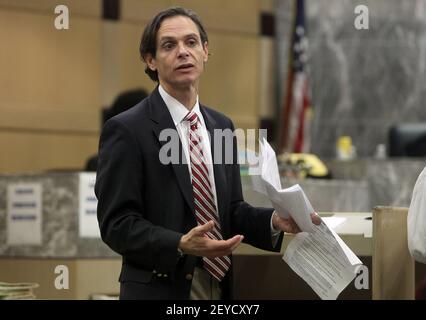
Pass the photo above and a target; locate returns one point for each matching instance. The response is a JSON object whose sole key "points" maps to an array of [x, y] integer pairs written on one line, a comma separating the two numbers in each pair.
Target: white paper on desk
{"points": [[333, 222], [323, 261], [289, 202]]}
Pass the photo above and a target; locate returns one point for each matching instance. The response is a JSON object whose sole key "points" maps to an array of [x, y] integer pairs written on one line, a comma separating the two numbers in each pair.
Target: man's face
{"points": [[180, 55]]}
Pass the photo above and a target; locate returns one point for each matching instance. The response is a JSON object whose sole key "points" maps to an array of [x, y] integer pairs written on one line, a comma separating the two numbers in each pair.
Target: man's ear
{"points": [[150, 61], [206, 51]]}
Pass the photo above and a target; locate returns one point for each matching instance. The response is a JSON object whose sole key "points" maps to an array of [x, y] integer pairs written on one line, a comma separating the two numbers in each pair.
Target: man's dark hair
{"points": [[149, 37]]}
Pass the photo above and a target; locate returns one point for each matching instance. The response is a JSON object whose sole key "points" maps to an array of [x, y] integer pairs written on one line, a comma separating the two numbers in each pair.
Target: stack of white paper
{"points": [[317, 254]]}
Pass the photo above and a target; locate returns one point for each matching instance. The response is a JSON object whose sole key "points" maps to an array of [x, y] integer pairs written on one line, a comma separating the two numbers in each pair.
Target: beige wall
{"points": [[49, 88], [54, 83]]}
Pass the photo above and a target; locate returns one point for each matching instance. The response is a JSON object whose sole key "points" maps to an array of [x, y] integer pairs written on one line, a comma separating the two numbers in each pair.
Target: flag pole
{"points": [[283, 141]]}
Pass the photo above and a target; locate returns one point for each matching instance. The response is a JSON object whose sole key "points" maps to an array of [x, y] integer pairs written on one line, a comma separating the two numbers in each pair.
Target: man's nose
{"points": [[182, 50]]}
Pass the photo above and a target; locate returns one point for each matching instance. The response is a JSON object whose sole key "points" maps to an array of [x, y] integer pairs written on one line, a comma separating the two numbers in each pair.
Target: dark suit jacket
{"points": [[144, 207]]}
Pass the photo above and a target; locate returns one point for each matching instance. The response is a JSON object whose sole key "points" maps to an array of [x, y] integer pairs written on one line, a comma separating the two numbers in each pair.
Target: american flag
{"points": [[297, 113]]}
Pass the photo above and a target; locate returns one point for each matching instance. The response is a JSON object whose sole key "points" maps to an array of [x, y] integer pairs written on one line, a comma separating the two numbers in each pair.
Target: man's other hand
{"points": [[289, 225]]}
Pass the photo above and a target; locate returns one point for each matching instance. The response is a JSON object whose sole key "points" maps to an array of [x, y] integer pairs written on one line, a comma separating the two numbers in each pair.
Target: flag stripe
{"points": [[295, 135]]}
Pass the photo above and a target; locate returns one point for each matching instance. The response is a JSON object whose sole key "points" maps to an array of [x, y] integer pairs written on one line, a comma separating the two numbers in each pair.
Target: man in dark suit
{"points": [[176, 224]]}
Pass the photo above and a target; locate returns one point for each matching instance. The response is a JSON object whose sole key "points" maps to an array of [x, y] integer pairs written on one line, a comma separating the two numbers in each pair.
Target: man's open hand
{"points": [[197, 243]]}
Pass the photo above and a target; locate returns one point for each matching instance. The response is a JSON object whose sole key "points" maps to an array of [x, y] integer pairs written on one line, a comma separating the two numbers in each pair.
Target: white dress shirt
{"points": [[178, 112]]}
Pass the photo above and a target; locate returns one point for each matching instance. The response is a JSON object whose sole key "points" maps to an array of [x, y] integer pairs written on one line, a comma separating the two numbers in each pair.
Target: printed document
{"points": [[317, 254]]}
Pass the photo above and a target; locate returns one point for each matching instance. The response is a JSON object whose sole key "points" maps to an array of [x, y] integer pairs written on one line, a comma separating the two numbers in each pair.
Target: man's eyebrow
{"points": [[169, 38], [191, 35]]}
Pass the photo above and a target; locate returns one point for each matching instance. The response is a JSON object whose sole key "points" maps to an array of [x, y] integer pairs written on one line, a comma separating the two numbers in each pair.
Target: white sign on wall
{"points": [[24, 209], [88, 222]]}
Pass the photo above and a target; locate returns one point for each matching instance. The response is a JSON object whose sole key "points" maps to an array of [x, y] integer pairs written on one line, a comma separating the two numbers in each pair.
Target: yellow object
{"points": [[345, 143], [312, 165], [345, 150]]}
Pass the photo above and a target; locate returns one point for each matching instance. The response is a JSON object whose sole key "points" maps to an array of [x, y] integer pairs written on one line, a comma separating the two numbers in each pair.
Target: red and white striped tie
{"points": [[204, 204]]}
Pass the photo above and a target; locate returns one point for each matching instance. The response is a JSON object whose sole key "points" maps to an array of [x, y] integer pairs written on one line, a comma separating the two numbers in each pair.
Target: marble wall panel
{"points": [[362, 81]]}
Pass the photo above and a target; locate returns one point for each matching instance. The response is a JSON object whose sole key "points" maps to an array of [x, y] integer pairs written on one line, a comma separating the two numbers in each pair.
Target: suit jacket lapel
{"points": [[218, 168], [162, 119]]}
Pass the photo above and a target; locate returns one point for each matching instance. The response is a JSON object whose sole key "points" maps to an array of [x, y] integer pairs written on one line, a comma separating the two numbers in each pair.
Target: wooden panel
{"points": [[35, 151], [142, 10], [41, 271], [19, 117], [97, 276], [230, 83], [269, 277], [132, 69], [236, 15], [225, 15], [76, 7], [86, 276], [49, 71], [393, 267], [266, 6], [243, 122], [268, 78], [122, 69]]}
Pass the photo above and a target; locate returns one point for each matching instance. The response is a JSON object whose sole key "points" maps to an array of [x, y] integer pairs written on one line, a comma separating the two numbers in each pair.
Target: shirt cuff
{"points": [[274, 231]]}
